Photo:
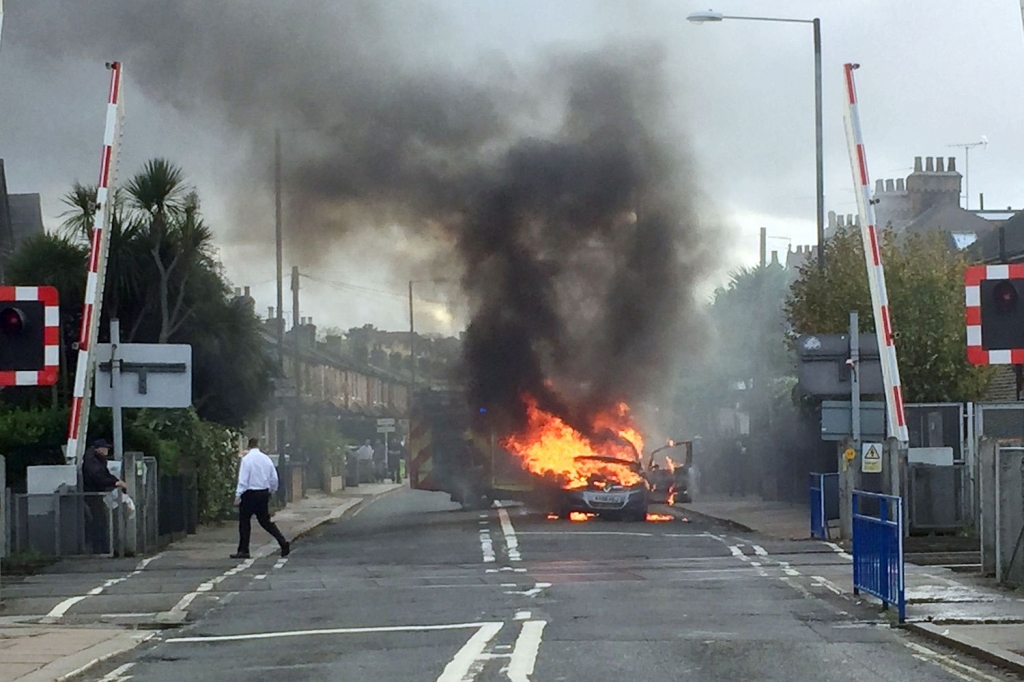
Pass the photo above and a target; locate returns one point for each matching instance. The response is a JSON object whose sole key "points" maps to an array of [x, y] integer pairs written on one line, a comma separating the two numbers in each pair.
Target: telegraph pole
{"points": [[412, 347], [279, 243]]}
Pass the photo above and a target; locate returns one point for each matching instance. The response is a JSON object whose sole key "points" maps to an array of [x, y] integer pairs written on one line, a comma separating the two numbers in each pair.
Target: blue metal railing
{"points": [[823, 493], [878, 548]]}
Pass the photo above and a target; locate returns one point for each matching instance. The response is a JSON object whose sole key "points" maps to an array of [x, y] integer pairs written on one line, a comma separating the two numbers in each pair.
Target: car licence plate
{"points": [[606, 499]]}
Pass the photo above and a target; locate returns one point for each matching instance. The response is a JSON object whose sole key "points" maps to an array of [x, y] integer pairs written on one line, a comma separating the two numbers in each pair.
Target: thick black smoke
{"points": [[559, 189]]}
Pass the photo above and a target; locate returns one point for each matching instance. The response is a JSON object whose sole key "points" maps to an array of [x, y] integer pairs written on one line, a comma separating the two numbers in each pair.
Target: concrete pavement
{"points": [[81, 612], [966, 611]]}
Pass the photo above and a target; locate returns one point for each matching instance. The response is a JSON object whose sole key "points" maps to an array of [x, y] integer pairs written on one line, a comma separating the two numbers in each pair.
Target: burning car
{"points": [[672, 483], [622, 497]]}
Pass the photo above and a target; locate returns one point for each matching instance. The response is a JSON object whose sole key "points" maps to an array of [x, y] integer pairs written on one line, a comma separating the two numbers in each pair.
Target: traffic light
{"points": [[29, 336], [995, 314]]}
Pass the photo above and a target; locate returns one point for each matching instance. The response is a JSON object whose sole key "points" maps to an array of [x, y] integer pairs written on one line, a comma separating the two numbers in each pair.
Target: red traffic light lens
{"points": [[12, 322], [1004, 297]]}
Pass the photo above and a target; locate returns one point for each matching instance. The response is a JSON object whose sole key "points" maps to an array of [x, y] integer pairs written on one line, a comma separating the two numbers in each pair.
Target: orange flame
{"points": [[577, 517], [550, 448], [659, 518]]}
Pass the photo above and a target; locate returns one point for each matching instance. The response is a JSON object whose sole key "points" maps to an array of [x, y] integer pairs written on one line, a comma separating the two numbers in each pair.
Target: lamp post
{"points": [[710, 16]]}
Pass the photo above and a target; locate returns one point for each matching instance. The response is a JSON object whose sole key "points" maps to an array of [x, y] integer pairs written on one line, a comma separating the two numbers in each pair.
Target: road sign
{"points": [[386, 425], [871, 458], [151, 375]]}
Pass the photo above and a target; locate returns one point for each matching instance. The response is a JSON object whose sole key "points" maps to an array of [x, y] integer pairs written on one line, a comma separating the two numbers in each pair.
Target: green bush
{"points": [[178, 439], [210, 449]]}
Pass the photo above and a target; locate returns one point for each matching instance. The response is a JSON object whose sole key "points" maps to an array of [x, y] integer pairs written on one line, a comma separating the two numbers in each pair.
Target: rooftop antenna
{"points": [[967, 147]]}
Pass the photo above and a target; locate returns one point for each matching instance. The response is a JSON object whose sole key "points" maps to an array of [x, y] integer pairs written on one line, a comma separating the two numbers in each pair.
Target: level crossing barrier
{"points": [[878, 549], [824, 503]]}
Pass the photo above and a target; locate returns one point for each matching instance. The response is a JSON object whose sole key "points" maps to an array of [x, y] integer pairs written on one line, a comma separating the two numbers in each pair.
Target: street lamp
{"points": [[711, 16]]}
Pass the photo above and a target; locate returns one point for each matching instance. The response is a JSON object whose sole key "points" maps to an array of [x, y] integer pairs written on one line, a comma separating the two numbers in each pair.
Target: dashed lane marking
{"points": [[487, 545], [58, 611], [511, 541]]}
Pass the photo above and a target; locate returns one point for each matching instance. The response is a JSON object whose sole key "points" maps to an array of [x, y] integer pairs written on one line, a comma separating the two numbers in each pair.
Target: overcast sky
{"points": [[934, 73]]}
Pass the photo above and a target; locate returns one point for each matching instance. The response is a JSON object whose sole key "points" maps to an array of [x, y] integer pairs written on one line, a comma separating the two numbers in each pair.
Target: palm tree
{"points": [[165, 211]]}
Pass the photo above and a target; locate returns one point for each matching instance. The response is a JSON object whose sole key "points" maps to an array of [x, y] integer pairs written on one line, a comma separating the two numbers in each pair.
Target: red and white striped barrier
{"points": [[47, 376], [78, 420], [873, 259]]}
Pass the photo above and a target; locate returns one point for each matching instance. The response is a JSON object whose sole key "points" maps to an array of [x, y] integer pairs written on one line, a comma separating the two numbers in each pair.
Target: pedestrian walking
{"points": [[257, 481], [96, 478]]}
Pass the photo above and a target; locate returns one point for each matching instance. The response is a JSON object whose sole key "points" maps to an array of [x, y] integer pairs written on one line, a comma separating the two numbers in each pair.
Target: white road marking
{"points": [[759, 550], [585, 533], [281, 562], [469, 660], [261, 576], [840, 551], [118, 673], [738, 553], [787, 569], [828, 584], [950, 664], [524, 655], [523, 615], [511, 541], [334, 631], [533, 591], [207, 586], [487, 546], [58, 611]]}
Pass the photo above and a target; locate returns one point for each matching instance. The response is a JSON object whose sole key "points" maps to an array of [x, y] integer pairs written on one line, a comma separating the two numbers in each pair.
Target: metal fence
{"points": [[178, 506], [937, 497], [824, 503], [1009, 516], [878, 548], [940, 496], [67, 524]]}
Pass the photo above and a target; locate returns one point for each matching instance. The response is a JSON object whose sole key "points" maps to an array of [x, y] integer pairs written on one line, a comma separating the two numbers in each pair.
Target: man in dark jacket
{"points": [[96, 478]]}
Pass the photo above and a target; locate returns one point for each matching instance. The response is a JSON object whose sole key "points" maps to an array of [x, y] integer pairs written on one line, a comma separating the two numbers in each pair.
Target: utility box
{"points": [[836, 420], [824, 371]]}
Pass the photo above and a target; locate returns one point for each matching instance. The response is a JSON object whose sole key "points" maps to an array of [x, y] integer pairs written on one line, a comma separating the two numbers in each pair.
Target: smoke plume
{"points": [[557, 189]]}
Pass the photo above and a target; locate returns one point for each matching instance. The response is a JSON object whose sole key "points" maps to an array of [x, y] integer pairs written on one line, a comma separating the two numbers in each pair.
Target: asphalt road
{"points": [[410, 588]]}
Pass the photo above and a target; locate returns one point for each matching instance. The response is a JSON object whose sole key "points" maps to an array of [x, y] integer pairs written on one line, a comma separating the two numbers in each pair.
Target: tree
{"points": [[924, 279], [747, 348], [164, 284]]}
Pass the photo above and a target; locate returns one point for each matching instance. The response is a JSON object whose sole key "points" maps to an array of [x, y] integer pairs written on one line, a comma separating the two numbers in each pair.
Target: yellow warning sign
{"points": [[871, 458]]}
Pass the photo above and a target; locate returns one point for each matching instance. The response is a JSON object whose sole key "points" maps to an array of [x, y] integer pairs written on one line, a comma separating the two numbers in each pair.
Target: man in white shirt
{"points": [[257, 481]]}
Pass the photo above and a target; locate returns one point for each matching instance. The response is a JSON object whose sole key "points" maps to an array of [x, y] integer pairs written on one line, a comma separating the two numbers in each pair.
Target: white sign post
{"points": [[871, 458]]}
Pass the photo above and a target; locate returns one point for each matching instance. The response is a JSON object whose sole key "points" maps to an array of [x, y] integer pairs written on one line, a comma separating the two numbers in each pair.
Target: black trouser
{"points": [[96, 523], [255, 502]]}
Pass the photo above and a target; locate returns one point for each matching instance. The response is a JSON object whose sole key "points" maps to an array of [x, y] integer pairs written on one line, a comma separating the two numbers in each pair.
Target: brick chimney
{"points": [[936, 185]]}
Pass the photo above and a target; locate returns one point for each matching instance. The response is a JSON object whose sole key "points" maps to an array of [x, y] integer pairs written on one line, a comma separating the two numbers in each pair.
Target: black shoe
{"points": [[286, 549], [240, 555]]}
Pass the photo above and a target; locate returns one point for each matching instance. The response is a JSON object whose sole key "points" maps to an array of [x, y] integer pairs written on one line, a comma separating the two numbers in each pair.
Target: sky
{"points": [[934, 73]]}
